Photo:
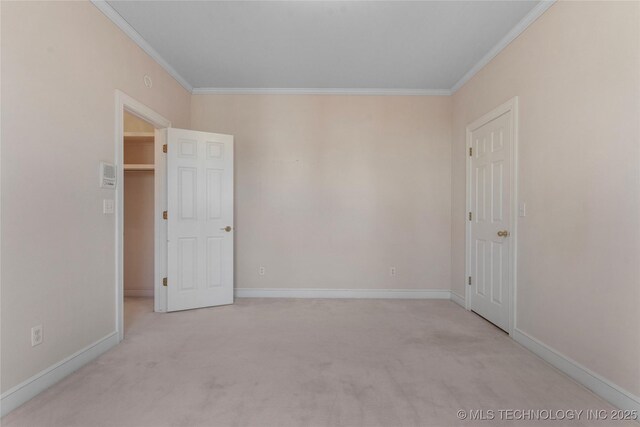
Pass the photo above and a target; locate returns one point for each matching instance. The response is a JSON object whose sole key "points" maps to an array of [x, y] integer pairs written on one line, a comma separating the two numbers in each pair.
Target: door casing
{"points": [[509, 106], [124, 102]]}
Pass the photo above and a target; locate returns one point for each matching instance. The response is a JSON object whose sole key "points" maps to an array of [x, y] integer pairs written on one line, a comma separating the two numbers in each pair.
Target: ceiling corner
{"points": [[121, 23], [524, 23]]}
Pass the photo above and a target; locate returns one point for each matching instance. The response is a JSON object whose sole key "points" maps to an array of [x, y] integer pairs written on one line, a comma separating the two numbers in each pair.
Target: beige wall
{"points": [[331, 191], [576, 74], [61, 63]]}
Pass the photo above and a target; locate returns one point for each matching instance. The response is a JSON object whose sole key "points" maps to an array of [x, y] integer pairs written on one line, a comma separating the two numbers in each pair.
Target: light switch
{"points": [[522, 209], [108, 206]]}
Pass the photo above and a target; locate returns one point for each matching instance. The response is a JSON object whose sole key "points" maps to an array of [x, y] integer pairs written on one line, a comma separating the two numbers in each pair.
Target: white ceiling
{"points": [[385, 45]]}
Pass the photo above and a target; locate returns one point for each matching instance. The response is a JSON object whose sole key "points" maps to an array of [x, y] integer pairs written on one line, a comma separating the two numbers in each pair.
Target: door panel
{"points": [[200, 207], [491, 213]]}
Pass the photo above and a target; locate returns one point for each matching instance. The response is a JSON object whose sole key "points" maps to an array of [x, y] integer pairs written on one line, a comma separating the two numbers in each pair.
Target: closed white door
{"points": [[199, 219], [490, 216]]}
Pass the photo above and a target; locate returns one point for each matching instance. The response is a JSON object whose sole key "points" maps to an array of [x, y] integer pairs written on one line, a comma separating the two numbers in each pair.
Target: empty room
{"points": [[319, 213]]}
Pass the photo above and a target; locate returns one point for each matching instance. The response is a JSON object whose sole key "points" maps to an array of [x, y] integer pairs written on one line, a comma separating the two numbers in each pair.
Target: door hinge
{"points": [[164, 148], [470, 216], [165, 214], [469, 280], [164, 281], [470, 151]]}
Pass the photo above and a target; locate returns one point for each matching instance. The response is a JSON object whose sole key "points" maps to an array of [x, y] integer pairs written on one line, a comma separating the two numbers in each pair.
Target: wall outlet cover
{"points": [[36, 335]]}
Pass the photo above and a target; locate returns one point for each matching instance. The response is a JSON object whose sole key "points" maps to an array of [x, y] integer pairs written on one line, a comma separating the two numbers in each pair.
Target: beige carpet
{"points": [[273, 362]]}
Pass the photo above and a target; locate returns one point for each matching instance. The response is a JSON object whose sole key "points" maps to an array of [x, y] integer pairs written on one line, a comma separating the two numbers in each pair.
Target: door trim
{"points": [[509, 106], [124, 102]]}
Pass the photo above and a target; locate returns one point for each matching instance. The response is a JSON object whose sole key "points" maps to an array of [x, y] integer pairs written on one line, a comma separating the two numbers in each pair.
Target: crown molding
{"points": [[319, 91], [524, 23], [121, 23]]}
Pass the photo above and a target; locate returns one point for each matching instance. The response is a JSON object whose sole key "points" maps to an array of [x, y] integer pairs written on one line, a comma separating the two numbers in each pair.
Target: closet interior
{"points": [[139, 165]]}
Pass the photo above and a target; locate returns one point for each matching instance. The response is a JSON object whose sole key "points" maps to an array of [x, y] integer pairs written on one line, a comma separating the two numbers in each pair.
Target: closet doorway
{"points": [[138, 224], [171, 182], [141, 238]]}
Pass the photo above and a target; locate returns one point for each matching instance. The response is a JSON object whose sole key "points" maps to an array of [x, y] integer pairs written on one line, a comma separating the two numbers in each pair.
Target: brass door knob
{"points": [[227, 229], [503, 233]]}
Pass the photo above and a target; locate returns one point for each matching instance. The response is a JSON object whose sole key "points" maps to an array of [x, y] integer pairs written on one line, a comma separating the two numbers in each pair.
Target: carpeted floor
{"points": [[274, 362]]}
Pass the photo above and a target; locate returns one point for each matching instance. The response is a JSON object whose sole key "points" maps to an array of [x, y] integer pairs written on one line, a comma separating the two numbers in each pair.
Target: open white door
{"points": [[199, 219]]}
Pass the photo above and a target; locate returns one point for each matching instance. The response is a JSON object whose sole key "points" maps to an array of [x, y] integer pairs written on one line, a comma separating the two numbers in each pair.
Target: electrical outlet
{"points": [[261, 270], [392, 271], [36, 335]]}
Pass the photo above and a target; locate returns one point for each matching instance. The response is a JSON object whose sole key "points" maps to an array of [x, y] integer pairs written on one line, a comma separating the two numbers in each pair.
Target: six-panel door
{"points": [[199, 219], [490, 202]]}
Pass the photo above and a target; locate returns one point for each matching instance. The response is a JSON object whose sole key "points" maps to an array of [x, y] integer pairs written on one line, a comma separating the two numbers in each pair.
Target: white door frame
{"points": [[509, 106], [125, 103]]}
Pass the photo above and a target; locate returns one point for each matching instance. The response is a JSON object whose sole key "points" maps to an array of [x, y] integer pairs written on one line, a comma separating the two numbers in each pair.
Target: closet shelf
{"points": [[139, 134], [139, 167]]}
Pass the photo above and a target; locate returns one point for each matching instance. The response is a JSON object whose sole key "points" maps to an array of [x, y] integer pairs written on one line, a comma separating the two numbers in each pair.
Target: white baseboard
{"points": [[457, 299], [594, 382], [28, 389], [138, 292], [343, 293]]}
